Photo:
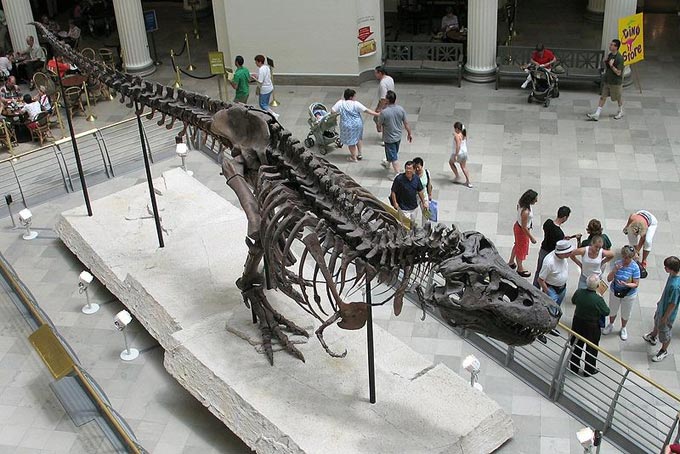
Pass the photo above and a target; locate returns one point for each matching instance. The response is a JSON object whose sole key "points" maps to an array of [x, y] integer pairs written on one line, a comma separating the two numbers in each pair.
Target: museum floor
{"points": [[604, 170]]}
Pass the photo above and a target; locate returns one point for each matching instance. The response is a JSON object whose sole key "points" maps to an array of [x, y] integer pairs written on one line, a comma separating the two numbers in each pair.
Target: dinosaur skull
{"points": [[483, 294]]}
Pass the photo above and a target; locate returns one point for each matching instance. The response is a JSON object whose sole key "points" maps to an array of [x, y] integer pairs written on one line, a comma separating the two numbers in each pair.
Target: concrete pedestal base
{"points": [[185, 296]]}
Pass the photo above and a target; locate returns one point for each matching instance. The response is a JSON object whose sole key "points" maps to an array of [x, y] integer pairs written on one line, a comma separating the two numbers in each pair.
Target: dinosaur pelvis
{"points": [[353, 315]]}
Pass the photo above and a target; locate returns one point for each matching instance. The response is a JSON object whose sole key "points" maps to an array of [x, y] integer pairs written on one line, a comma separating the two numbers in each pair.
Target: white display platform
{"points": [[185, 296]]}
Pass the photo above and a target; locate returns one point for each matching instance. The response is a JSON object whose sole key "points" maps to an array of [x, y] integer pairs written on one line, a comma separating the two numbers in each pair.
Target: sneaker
{"points": [[659, 356], [385, 164], [468, 185], [623, 334], [649, 338], [608, 329], [359, 157], [619, 115], [525, 84], [593, 116]]}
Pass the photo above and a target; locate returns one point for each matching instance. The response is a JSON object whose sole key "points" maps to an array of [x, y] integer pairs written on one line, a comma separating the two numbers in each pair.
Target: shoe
{"points": [[524, 273], [650, 339], [593, 116], [385, 164], [554, 332], [457, 180], [359, 157], [512, 265], [623, 334], [659, 356], [608, 329], [382, 144], [525, 84], [542, 338], [468, 185], [619, 115]]}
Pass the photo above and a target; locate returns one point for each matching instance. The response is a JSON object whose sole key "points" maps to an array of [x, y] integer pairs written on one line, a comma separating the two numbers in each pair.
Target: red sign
{"points": [[364, 33]]}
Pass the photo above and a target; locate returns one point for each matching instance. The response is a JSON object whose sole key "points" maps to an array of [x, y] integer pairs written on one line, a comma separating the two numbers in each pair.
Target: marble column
{"points": [[615, 9], [18, 14], [132, 35], [481, 40], [595, 10]]}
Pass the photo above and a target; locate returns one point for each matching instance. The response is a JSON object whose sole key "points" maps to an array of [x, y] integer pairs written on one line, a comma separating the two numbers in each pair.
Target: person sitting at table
{"points": [[32, 108], [449, 21], [30, 61], [58, 62], [6, 67], [44, 99], [540, 58], [49, 23], [10, 89], [71, 37]]}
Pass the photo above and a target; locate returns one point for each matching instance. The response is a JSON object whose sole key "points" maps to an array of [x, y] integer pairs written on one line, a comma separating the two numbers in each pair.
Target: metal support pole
{"points": [[79, 164], [190, 67], [152, 193], [369, 339], [127, 347], [156, 61]]}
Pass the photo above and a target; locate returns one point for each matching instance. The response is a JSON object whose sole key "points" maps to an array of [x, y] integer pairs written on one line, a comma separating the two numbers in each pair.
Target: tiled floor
{"points": [[604, 170]]}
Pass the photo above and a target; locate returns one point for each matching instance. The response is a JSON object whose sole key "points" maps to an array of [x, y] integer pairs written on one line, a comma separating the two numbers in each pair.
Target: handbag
{"points": [[622, 293], [643, 271], [433, 211]]}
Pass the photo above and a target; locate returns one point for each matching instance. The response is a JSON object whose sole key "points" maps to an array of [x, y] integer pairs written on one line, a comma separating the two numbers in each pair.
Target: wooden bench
{"points": [[427, 59], [579, 64]]}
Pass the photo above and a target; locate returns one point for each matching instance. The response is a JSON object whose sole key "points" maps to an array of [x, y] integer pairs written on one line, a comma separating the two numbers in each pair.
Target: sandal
{"points": [[524, 273], [512, 265]]}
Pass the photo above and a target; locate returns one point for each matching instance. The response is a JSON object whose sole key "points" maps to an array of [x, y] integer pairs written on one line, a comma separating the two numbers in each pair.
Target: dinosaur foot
{"points": [[272, 325]]}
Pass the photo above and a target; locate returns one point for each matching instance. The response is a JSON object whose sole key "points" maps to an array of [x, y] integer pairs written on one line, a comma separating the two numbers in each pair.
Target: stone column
{"points": [[481, 40], [615, 9], [132, 35], [18, 14], [595, 10]]}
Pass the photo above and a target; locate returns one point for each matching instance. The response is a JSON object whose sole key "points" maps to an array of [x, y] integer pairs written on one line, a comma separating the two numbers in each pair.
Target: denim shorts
{"points": [[264, 100], [392, 151]]}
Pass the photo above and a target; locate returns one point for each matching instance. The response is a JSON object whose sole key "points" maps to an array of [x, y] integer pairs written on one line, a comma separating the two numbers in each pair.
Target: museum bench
{"points": [[424, 59], [579, 64]]}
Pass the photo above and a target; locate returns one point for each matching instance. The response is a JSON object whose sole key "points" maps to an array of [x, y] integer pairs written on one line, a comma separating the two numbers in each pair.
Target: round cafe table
{"points": [[17, 121]]}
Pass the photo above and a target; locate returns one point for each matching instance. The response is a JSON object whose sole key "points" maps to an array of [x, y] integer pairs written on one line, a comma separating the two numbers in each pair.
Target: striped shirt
{"points": [[626, 274]]}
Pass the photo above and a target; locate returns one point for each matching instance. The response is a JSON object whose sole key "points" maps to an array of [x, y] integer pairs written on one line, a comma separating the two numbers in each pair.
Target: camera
{"points": [[85, 278], [122, 319], [25, 216]]}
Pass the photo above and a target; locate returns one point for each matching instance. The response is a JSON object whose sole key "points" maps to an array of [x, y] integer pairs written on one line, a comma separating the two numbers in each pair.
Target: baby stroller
{"points": [[544, 85], [322, 128]]}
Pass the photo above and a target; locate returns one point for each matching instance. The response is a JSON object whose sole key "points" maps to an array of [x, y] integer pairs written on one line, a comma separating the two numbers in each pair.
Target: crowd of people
{"points": [[593, 316]]}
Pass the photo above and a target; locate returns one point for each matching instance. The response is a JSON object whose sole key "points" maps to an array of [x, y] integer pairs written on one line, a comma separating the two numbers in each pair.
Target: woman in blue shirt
{"points": [[624, 278]]}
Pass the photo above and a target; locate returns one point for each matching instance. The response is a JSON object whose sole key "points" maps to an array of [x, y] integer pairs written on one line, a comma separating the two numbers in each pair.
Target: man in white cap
{"points": [[554, 273]]}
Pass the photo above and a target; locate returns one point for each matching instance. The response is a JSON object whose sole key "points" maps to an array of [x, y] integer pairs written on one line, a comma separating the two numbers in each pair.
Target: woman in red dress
{"points": [[522, 231]]}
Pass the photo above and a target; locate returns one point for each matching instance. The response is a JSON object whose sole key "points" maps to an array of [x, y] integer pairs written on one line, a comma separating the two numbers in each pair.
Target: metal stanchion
{"points": [[274, 102], [178, 77], [369, 341], [190, 67], [90, 115], [195, 18]]}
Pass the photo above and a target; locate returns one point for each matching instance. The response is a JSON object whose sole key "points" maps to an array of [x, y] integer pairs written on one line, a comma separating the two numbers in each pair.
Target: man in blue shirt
{"points": [[406, 188], [666, 309]]}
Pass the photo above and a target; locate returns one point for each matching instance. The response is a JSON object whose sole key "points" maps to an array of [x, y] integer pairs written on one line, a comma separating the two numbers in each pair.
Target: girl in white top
{"points": [[460, 153], [593, 259], [265, 85]]}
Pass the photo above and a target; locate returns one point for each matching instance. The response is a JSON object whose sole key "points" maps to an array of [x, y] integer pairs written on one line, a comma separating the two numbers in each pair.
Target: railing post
{"points": [[16, 177], [63, 160], [612, 406], [61, 169], [669, 435], [509, 355], [557, 382], [95, 134]]}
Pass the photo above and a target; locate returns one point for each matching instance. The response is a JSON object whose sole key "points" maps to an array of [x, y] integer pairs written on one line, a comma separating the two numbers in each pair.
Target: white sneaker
{"points": [[623, 334], [607, 329], [619, 115], [593, 116], [659, 356], [649, 338], [525, 84], [385, 164]]}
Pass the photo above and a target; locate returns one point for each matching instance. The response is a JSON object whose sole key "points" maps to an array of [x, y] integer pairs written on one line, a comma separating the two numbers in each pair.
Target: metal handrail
{"points": [[109, 413]]}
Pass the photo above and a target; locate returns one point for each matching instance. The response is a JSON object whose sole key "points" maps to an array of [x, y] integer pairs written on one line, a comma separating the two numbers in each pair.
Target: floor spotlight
{"points": [[121, 321], [9, 201], [84, 281], [182, 151], [26, 217], [472, 365]]}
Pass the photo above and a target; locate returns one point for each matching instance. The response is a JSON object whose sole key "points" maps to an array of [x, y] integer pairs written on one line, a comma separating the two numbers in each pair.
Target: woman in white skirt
{"points": [[460, 153]]}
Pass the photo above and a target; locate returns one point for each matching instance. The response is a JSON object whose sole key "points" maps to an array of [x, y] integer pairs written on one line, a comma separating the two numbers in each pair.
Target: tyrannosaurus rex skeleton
{"points": [[305, 214]]}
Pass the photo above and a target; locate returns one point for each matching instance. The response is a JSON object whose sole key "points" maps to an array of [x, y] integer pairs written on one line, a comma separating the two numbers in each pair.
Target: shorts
{"points": [[649, 236], [521, 247], [625, 303], [612, 91], [392, 151], [264, 100], [665, 333]]}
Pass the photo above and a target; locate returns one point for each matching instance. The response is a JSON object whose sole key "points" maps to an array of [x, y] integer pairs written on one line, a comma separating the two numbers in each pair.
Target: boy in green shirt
{"points": [[666, 309], [240, 81]]}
